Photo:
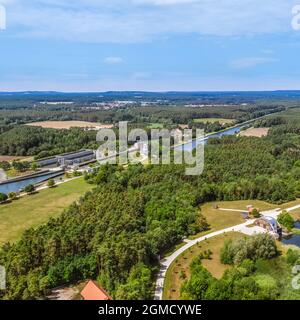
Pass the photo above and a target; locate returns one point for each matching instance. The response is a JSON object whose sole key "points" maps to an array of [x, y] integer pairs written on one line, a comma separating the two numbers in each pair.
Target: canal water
{"points": [[16, 186], [190, 146], [293, 239]]}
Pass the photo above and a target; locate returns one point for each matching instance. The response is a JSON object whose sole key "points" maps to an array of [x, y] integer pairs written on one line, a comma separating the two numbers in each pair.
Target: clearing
{"points": [[219, 219], [69, 124], [180, 269], [12, 158], [34, 210], [255, 132]]}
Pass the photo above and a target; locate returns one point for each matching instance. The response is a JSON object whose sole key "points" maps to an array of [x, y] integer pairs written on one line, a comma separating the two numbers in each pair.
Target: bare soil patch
{"points": [[10, 158], [255, 132]]}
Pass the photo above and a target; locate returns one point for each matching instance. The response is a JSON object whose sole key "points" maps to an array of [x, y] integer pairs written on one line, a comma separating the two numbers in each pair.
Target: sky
{"points": [[151, 45]]}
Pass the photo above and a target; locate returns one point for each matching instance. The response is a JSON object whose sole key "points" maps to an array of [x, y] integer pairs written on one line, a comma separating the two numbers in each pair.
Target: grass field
{"points": [[219, 219], [212, 120], [173, 280], [32, 211], [155, 126]]}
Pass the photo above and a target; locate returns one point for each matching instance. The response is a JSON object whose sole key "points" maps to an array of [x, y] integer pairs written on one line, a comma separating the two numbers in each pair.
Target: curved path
{"points": [[167, 261]]}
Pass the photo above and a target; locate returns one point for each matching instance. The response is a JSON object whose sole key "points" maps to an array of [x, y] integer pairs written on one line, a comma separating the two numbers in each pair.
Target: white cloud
{"points": [[143, 20], [113, 60], [250, 62]]}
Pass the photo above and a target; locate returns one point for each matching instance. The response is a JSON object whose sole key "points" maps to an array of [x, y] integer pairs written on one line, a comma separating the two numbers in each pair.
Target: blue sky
{"points": [[159, 45]]}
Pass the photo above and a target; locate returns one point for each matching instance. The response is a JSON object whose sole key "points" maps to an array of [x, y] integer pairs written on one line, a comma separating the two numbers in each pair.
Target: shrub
{"points": [[260, 246], [51, 183], [255, 213], [3, 197], [292, 256], [29, 189], [286, 220], [12, 196]]}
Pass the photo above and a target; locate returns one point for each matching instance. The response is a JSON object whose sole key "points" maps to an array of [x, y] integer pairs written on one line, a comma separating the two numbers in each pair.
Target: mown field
{"points": [[34, 210], [68, 124], [218, 219]]}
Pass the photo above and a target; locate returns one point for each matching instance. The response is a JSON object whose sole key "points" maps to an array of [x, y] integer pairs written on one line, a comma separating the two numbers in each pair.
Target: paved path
{"points": [[233, 210], [167, 261]]}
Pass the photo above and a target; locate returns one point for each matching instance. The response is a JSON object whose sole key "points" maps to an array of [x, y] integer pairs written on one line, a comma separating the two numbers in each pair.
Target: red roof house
{"points": [[92, 291]]}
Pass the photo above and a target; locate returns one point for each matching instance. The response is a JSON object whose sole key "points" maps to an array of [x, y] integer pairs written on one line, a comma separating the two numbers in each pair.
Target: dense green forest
{"points": [[116, 231], [41, 142]]}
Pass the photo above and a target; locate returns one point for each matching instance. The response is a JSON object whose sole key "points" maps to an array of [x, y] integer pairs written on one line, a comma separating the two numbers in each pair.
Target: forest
{"points": [[116, 232], [41, 142]]}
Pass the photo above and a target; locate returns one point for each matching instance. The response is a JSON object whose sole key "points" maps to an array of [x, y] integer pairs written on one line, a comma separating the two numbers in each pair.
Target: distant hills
{"points": [[279, 93]]}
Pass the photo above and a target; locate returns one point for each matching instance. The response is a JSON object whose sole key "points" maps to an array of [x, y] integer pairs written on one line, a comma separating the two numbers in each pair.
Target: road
{"points": [[166, 262]]}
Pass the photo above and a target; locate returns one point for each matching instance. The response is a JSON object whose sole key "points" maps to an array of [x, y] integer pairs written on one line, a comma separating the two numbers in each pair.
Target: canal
{"points": [[193, 144], [16, 186], [293, 239]]}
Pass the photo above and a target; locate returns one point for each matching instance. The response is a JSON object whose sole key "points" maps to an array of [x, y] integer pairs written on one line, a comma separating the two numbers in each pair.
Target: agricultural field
{"points": [[12, 158], [32, 211], [69, 124]]}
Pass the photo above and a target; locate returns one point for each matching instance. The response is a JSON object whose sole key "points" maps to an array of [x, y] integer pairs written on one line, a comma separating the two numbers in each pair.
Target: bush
{"points": [[286, 220], [3, 197], [5, 165], [12, 196], [255, 213], [51, 183], [29, 189], [292, 256]]}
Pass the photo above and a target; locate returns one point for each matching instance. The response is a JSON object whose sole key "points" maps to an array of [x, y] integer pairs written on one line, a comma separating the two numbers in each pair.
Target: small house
{"points": [[92, 291]]}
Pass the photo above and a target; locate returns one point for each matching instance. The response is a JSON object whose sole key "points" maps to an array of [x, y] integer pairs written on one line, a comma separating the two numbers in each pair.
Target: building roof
{"points": [[92, 291]]}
